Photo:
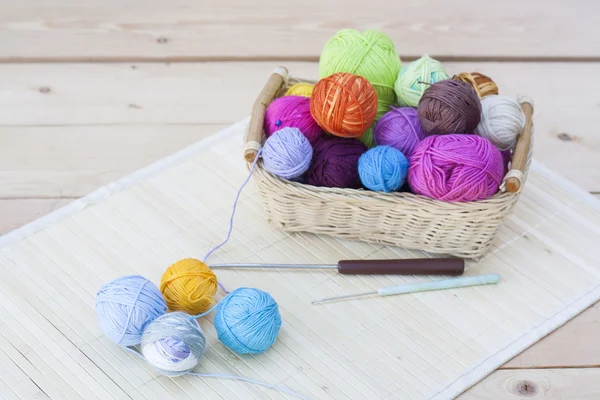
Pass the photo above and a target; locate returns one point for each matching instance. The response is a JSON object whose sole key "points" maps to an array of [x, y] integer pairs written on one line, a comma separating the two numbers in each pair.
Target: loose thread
{"points": [[193, 317], [227, 376], [237, 198]]}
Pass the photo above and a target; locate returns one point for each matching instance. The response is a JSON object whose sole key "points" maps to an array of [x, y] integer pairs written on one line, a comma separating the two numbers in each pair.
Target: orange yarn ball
{"points": [[344, 104], [189, 285]]}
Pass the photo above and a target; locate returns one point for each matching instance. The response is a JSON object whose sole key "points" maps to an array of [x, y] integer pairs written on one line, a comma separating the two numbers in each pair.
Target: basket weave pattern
{"points": [[400, 219]]}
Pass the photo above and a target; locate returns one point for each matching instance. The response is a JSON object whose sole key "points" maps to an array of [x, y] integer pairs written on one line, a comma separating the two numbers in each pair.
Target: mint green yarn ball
{"points": [[370, 54], [415, 78]]}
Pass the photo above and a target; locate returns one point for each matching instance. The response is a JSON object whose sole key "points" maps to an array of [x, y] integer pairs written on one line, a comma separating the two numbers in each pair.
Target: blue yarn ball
{"points": [[287, 153], [383, 168], [247, 321], [125, 306]]}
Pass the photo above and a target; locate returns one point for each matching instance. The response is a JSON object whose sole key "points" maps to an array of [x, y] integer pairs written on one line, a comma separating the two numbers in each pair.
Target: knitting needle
{"points": [[424, 286], [412, 266]]}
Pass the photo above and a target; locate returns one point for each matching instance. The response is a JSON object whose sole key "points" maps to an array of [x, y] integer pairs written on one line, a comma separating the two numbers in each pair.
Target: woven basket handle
{"points": [[514, 178], [254, 137]]}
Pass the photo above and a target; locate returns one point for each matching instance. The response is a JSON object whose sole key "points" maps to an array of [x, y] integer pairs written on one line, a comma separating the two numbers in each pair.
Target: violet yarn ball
{"points": [[335, 163], [456, 167], [449, 107], [399, 128], [293, 112], [287, 153]]}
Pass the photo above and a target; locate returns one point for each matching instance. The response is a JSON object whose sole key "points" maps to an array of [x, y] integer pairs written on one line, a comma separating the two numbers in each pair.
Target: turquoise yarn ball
{"points": [[247, 321], [383, 169], [126, 306]]}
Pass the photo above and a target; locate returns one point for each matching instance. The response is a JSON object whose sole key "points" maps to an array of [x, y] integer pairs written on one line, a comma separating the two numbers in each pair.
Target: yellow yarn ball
{"points": [[300, 89], [189, 285]]}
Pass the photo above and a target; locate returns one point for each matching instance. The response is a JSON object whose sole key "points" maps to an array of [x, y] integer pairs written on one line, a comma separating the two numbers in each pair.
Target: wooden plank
{"points": [[18, 212], [573, 345], [221, 93], [72, 161], [185, 29], [564, 384]]}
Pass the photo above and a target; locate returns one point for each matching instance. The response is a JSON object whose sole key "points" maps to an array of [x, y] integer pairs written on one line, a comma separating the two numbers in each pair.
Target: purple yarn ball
{"points": [[399, 128], [293, 112], [456, 167], [335, 163]]}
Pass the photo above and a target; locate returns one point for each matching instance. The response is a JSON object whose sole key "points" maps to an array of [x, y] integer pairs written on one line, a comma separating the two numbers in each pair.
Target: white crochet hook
{"points": [[451, 283]]}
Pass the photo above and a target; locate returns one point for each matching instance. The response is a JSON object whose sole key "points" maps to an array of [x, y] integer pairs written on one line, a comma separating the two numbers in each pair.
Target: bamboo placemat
{"points": [[423, 346]]}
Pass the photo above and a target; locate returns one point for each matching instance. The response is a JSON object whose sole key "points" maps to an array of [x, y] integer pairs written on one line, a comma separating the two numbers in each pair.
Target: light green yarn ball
{"points": [[370, 54], [414, 78], [367, 138]]}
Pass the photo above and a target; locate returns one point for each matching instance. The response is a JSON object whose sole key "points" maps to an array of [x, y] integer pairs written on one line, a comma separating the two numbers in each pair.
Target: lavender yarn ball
{"points": [[456, 167], [293, 112], [335, 163], [399, 128], [383, 169], [287, 153]]}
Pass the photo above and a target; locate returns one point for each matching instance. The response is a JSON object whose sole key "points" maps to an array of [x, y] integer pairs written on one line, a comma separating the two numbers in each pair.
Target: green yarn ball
{"points": [[415, 78], [367, 138], [370, 54]]}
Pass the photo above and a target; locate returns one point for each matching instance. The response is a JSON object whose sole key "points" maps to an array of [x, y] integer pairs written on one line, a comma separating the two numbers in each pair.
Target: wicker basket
{"points": [[400, 219]]}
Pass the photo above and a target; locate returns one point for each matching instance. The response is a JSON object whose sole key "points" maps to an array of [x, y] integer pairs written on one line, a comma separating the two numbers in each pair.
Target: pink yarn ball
{"points": [[455, 167], [293, 112], [399, 128]]}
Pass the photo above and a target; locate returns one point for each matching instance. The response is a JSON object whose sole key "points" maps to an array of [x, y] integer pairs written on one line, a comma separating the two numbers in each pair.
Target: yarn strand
{"points": [[237, 198], [232, 377], [248, 380]]}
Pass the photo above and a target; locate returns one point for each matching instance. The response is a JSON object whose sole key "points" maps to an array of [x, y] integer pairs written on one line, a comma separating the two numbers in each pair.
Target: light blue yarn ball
{"points": [[247, 321], [125, 306], [383, 169], [287, 153]]}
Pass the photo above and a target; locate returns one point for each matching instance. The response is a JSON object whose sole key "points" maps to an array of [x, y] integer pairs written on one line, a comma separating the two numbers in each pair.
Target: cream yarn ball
{"points": [[502, 121]]}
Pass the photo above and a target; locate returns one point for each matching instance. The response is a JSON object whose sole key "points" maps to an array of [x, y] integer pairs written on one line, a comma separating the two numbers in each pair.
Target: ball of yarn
{"points": [[383, 168], [367, 138], [125, 306], [247, 321], [455, 168], [449, 107], [189, 286], [335, 163], [415, 78], [344, 104], [502, 121], [300, 89], [173, 343], [483, 85], [287, 153], [370, 54], [294, 112], [399, 128]]}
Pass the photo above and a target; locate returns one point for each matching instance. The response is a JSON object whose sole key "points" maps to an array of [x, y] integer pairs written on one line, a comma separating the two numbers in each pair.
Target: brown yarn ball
{"points": [[483, 85], [449, 107]]}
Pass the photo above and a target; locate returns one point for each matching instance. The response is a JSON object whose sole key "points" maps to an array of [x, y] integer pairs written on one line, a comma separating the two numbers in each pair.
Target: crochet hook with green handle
{"points": [[424, 286]]}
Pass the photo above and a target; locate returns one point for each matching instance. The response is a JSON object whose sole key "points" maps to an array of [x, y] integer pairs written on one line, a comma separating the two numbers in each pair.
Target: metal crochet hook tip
{"points": [[342, 297], [452, 283]]}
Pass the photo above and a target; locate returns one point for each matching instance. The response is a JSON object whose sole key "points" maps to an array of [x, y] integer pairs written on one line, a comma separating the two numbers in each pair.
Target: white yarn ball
{"points": [[502, 121]]}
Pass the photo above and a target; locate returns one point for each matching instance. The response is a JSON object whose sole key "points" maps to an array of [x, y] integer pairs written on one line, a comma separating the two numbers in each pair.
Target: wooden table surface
{"points": [[90, 91]]}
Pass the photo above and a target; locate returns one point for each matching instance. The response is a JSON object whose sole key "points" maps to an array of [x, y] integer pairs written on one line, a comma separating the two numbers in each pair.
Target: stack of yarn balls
{"points": [[132, 311], [371, 123]]}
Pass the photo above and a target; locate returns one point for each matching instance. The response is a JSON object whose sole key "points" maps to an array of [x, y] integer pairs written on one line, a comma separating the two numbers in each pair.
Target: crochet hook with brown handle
{"points": [[409, 266]]}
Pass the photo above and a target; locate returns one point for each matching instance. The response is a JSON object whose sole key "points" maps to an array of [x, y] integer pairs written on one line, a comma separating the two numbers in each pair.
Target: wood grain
{"points": [[563, 384], [18, 212], [184, 29], [221, 93]]}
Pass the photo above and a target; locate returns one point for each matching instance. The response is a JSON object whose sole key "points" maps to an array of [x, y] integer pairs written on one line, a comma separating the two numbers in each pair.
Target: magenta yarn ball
{"points": [[292, 112], [456, 167], [335, 163], [399, 128]]}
